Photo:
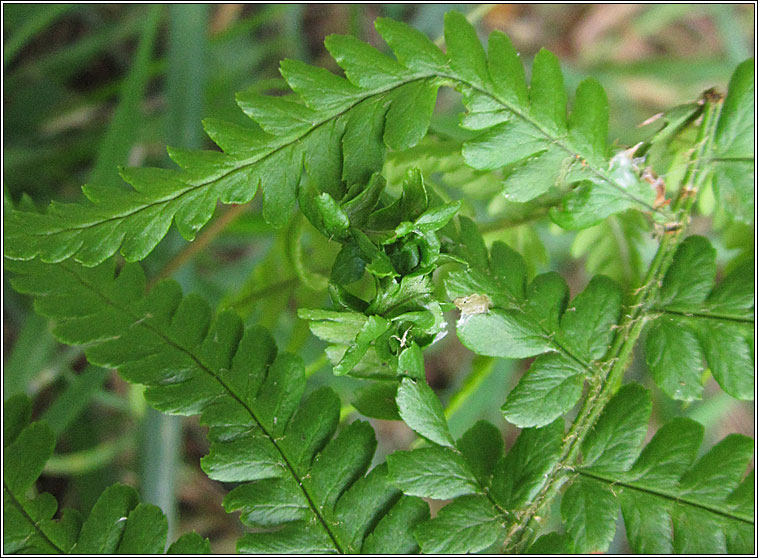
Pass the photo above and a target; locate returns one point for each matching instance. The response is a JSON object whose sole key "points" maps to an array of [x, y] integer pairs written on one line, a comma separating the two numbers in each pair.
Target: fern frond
{"points": [[261, 432], [487, 488], [733, 156], [668, 503], [336, 134], [535, 320], [697, 321], [337, 131], [372, 338], [525, 130], [117, 524]]}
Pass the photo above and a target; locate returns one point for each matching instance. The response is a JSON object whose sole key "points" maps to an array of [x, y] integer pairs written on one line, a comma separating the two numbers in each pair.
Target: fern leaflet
{"points": [[533, 320], [668, 504], [697, 321], [117, 524]]}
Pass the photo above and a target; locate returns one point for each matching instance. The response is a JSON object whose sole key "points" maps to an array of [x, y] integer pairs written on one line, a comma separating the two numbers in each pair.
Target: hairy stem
{"points": [[619, 356]]}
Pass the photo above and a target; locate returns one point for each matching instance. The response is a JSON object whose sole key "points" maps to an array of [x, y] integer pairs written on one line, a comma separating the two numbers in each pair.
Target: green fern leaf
{"points": [[520, 475], [482, 446], [337, 130], [249, 396], [469, 524], [733, 159], [552, 543], [118, 523], [377, 400], [526, 322], [668, 504], [699, 322], [487, 488], [190, 543], [433, 472], [529, 136], [422, 411], [337, 133], [27, 448]]}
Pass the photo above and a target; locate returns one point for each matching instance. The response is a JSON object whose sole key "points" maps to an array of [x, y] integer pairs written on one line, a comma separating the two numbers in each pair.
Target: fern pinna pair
{"points": [[304, 481]]}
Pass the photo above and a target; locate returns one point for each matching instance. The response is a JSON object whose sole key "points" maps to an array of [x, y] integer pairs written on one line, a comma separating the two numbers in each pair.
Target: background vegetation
{"points": [[88, 88]]}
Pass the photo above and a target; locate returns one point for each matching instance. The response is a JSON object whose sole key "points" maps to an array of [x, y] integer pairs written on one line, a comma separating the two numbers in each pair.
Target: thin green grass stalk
{"points": [[122, 131], [33, 349], [40, 18], [89, 460], [481, 370], [69, 59]]}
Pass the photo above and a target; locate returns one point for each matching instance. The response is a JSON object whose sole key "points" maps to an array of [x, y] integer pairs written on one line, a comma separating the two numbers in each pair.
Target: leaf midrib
{"points": [[667, 495], [209, 370], [704, 315], [247, 163]]}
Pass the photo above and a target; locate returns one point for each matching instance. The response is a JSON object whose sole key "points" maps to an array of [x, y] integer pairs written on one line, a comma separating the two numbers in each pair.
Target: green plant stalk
{"points": [[159, 67], [86, 461], [516, 221], [226, 215], [310, 278], [292, 30], [619, 357], [316, 365], [122, 131], [36, 23], [345, 411], [470, 385]]}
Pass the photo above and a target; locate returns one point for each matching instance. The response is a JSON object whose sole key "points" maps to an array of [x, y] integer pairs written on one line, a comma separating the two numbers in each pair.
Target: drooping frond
{"points": [[262, 432]]}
